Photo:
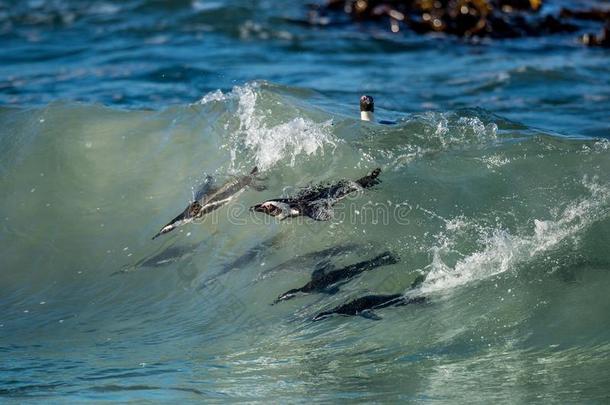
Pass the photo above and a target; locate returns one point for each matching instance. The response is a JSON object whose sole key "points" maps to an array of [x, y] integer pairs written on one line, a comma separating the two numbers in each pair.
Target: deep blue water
{"points": [[151, 54], [495, 189]]}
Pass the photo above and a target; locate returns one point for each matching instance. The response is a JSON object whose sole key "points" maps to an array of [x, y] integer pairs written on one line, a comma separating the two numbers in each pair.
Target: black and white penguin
{"points": [[209, 198], [316, 202], [367, 111]]}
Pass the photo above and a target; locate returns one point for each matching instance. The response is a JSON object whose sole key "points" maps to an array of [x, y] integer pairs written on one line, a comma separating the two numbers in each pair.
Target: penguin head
{"points": [[367, 103], [194, 210], [274, 208], [287, 295], [322, 315]]}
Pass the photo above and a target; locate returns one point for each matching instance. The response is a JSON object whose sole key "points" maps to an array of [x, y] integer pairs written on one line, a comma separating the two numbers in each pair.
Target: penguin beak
{"points": [[165, 229], [286, 296]]}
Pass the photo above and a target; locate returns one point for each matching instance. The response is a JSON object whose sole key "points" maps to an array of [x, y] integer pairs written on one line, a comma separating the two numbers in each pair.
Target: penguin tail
{"points": [[371, 179]]}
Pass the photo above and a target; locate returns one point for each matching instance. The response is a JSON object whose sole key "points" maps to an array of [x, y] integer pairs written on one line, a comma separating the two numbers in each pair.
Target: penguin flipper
{"points": [[368, 314], [321, 269], [204, 188]]}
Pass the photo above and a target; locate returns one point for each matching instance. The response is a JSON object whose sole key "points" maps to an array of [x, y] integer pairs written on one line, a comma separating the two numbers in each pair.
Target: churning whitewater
{"points": [[503, 228]]}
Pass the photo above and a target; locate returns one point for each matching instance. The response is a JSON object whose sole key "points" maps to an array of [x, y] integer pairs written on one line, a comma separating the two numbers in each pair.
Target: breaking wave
{"points": [[476, 204]]}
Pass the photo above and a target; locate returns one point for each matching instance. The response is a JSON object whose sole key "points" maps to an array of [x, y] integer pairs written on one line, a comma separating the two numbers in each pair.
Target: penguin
{"points": [[209, 198], [367, 111], [312, 259], [316, 202], [364, 306], [328, 281]]}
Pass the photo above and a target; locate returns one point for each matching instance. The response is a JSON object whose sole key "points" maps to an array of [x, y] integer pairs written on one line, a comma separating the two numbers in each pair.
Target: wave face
{"points": [[508, 224]]}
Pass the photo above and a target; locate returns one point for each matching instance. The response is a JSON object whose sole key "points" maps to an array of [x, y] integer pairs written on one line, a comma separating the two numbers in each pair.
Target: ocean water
{"points": [[495, 188]]}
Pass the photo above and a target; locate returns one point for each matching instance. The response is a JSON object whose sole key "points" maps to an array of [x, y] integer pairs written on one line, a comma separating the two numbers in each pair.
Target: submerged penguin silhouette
{"points": [[315, 259], [316, 202], [328, 281], [364, 306], [210, 198]]}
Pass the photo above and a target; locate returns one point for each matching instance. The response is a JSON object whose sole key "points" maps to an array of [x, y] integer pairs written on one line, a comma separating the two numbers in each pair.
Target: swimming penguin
{"points": [[367, 108], [323, 281], [208, 199], [364, 306], [367, 111], [316, 202], [308, 260]]}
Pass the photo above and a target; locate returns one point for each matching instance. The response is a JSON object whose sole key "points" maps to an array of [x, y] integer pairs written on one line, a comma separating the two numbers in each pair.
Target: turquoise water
{"points": [[495, 188]]}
